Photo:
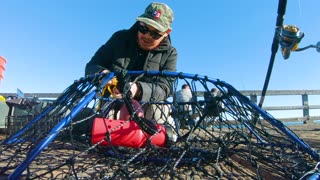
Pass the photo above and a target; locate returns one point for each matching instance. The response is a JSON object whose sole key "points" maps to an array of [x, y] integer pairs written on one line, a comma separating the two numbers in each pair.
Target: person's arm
{"points": [[164, 85], [102, 59]]}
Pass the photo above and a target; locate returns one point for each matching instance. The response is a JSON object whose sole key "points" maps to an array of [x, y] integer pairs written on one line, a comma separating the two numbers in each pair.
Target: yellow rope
{"points": [[110, 87]]}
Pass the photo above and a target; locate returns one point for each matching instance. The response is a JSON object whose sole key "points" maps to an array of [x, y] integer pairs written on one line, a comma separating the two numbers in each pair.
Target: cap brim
{"points": [[152, 23]]}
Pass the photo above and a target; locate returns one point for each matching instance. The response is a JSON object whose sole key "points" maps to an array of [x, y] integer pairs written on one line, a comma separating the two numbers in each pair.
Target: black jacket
{"points": [[121, 51]]}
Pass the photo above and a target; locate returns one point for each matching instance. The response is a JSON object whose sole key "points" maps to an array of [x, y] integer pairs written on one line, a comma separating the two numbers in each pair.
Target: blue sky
{"points": [[48, 43]]}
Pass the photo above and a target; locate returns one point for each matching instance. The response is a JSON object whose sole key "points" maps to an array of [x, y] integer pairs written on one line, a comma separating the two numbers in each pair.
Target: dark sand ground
{"points": [[309, 133]]}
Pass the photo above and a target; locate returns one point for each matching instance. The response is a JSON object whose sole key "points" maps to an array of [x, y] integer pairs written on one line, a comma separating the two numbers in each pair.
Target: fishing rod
{"points": [[288, 37], [275, 45]]}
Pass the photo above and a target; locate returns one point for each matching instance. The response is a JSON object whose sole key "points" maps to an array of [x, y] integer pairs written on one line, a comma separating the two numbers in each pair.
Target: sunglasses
{"points": [[144, 30]]}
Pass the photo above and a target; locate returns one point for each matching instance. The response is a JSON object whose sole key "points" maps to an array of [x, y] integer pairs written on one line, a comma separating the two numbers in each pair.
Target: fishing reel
{"points": [[289, 39]]}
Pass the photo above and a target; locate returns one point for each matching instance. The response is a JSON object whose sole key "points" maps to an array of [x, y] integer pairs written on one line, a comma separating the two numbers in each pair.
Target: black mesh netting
{"points": [[219, 137]]}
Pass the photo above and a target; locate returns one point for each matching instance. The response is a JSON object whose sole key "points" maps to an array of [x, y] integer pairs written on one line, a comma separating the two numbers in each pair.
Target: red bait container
{"points": [[124, 133]]}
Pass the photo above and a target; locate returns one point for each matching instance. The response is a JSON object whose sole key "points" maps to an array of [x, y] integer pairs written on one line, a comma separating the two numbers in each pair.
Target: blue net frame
{"points": [[229, 137]]}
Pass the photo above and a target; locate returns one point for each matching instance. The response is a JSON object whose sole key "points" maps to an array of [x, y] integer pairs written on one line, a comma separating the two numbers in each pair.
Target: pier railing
{"points": [[304, 105], [253, 95]]}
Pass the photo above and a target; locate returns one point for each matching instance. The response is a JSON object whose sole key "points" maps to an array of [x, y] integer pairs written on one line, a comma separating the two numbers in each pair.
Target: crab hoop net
{"points": [[224, 136]]}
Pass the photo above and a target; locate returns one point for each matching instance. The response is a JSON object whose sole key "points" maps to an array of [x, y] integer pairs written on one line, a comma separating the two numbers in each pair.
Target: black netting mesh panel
{"points": [[80, 136]]}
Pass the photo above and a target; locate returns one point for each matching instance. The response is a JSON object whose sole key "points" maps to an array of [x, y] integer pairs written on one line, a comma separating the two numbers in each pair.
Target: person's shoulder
{"points": [[121, 35], [123, 32], [168, 49], [165, 44]]}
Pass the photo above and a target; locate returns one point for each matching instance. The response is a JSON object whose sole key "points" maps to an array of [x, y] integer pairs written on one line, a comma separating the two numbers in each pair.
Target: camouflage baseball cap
{"points": [[157, 15]]}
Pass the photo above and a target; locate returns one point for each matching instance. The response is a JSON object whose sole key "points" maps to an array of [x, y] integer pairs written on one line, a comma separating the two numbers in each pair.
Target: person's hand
{"points": [[116, 93], [112, 81], [105, 71], [134, 88]]}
